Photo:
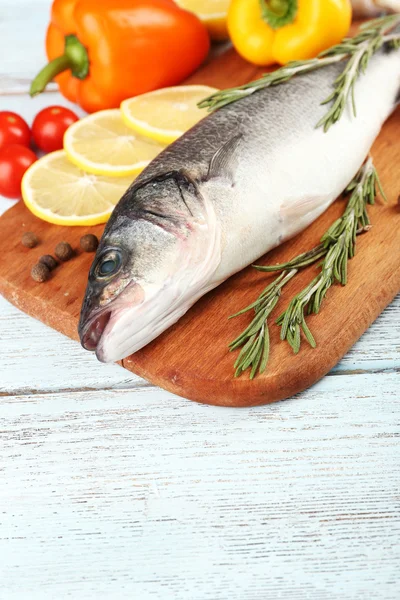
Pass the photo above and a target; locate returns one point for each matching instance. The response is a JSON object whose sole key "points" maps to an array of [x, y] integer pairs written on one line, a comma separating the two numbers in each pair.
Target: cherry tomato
{"points": [[14, 161], [50, 125], [13, 129]]}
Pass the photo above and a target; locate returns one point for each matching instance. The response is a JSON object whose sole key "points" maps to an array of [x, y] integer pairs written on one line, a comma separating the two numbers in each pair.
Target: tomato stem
{"points": [[75, 58], [278, 13]]}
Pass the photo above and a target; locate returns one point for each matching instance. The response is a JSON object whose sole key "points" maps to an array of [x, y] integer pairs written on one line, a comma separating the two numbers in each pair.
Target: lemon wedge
{"points": [[57, 191], [103, 144], [164, 115], [213, 13]]}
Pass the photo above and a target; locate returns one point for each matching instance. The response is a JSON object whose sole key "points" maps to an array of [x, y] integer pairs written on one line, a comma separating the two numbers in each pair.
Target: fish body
{"points": [[373, 8], [243, 180]]}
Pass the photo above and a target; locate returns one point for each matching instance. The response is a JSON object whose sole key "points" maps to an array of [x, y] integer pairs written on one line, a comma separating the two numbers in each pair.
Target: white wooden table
{"points": [[112, 488]]}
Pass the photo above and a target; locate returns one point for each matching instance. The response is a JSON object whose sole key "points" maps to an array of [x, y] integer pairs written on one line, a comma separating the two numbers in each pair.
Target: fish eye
{"points": [[109, 263]]}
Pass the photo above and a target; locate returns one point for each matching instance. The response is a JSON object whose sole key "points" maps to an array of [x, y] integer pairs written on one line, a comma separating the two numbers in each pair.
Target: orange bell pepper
{"points": [[104, 51]]}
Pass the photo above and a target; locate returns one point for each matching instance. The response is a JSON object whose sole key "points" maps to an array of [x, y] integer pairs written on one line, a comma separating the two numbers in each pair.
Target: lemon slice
{"points": [[101, 143], [166, 114], [213, 13], [57, 191]]}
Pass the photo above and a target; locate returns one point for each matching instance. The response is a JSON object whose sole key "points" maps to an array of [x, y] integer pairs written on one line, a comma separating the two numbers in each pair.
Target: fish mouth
{"points": [[126, 330], [95, 323], [91, 335]]}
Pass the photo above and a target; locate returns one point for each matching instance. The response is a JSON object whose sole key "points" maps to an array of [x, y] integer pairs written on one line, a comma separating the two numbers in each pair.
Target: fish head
{"points": [[153, 261]]}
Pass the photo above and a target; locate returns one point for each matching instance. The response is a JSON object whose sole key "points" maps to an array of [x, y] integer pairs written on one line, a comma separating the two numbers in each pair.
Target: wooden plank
{"points": [[121, 495], [191, 359], [50, 361]]}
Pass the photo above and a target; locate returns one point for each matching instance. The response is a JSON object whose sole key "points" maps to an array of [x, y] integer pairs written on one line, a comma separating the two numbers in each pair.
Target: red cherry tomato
{"points": [[13, 130], [49, 126], [14, 161]]}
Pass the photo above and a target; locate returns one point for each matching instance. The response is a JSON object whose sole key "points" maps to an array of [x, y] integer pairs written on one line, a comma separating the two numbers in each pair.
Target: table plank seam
{"points": [[146, 386]]}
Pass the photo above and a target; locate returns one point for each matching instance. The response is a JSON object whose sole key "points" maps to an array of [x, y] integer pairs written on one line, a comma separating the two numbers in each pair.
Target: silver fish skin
{"points": [[242, 181], [374, 8]]}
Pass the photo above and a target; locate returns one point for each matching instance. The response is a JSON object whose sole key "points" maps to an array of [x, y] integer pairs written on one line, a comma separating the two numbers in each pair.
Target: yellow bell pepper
{"points": [[265, 32]]}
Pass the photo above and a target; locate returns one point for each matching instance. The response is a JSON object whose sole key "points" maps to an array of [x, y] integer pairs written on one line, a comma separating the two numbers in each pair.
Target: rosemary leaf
{"points": [[265, 356], [309, 336]]}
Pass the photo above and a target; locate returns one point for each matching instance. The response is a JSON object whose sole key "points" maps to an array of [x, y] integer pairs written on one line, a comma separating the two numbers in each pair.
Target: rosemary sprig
{"points": [[358, 52], [255, 338], [340, 245], [336, 248], [299, 262]]}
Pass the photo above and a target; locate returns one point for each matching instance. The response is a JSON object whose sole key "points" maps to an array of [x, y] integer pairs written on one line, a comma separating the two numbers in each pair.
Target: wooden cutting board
{"points": [[191, 358]]}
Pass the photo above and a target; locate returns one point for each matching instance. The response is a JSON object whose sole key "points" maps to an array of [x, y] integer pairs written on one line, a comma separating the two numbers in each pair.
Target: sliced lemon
{"points": [[213, 13], [57, 191], [101, 143], [166, 114]]}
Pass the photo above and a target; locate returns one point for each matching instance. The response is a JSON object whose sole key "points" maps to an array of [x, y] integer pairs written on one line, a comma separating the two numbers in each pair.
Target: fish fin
{"points": [[296, 209], [222, 163]]}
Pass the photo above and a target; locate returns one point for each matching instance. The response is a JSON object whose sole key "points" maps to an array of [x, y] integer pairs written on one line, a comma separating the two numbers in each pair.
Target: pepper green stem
{"points": [[75, 58], [278, 13]]}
